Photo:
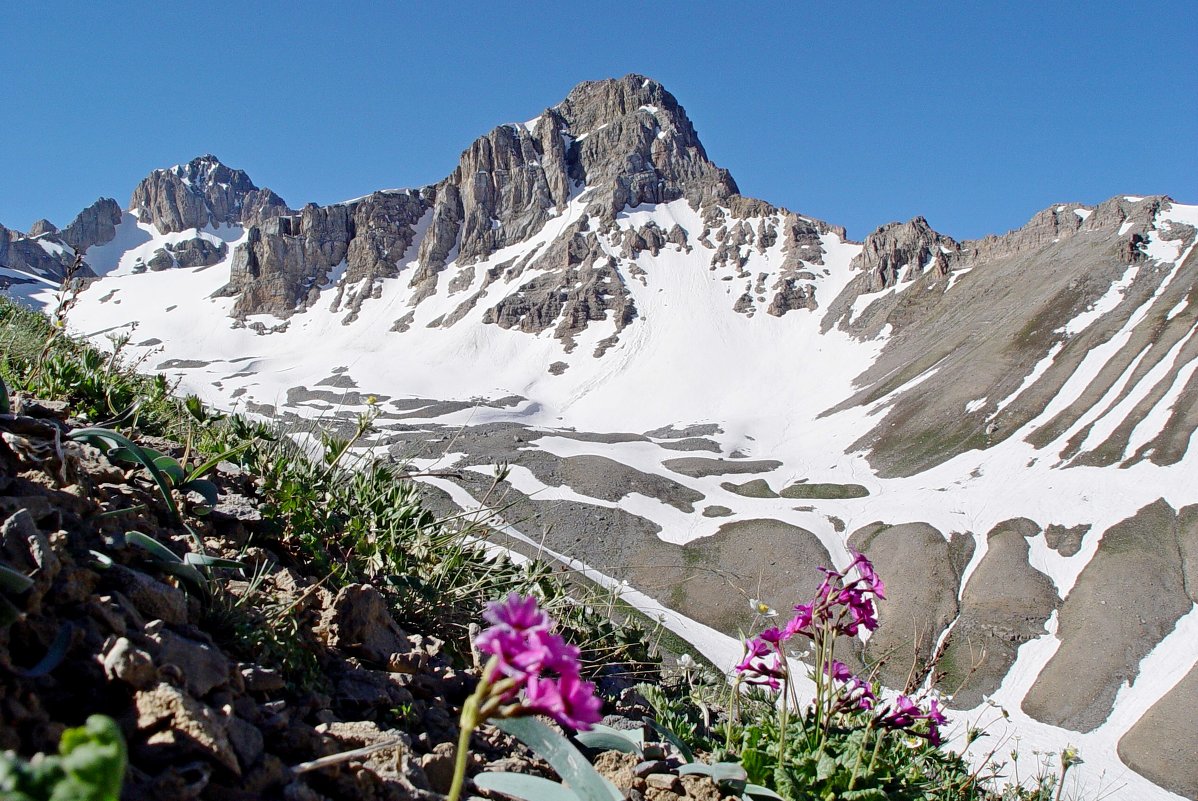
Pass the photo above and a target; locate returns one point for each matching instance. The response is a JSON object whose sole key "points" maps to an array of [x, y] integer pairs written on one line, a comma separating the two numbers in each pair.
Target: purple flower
{"points": [[517, 612], [935, 713], [774, 635], [838, 670], [761, 664], [801, 622], [569, 700], [902, 714], [865, 569], [861, 694]]}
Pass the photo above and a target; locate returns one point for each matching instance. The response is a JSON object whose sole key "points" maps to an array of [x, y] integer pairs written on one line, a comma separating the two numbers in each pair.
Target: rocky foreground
{"points": [[106, 630]]}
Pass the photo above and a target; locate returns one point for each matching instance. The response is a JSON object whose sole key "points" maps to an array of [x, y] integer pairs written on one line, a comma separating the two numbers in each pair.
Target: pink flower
{"points": [[525, 649], [774, 635], [761, 664], [801, 622], [865, 569], [517, 612], [838, 670], [569, 700]]}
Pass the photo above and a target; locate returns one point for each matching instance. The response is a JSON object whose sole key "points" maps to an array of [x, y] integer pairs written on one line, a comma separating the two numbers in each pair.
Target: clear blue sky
{"points": [[973, 115]]}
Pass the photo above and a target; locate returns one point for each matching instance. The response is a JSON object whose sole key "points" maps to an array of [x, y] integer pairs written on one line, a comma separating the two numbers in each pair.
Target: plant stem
{"points": [[860, 754], [467, 723]]}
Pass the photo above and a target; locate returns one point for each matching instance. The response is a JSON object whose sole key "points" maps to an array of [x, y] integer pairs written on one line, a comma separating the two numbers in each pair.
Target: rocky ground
{"points": [[105, 629]]}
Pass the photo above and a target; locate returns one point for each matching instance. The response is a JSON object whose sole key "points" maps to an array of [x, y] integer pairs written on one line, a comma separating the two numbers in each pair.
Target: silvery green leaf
{"points": [[563, 757], [524, 787]]}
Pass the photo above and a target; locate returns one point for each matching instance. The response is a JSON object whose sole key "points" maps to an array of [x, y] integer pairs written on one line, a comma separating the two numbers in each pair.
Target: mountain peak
{"points": [[202, 192]]}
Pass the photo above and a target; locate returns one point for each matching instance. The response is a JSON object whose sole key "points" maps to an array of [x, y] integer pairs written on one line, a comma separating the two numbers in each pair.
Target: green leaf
{"points": [[170, 466], [564, 758], [14, 581], [168, 560], [673, 739], [865, 794], [826, 767], [204, 487], [103, 435], [5, 407], [94, 759], [524, 787], [54, 654], [757, 791], [152, 546], [605, 738], [204, 560], [215, 460], [720, 771]]}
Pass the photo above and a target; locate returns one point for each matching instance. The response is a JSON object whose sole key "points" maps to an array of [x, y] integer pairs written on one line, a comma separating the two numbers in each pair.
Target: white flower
{"points": [[762, 608], [686, 662]]}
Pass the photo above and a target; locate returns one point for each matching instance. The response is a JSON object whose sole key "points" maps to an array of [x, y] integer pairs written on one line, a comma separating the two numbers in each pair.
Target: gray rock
{"points": [[204, 667], [95, 225], [130, 664], [178, 727], [360, 623], [921, 596], [1162, 743], [1125, 601], [1005, 603], [200, 193], [151, 598]]}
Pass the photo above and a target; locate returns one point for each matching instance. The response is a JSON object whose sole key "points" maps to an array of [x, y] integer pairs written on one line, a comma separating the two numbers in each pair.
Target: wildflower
{"points": [[372, 400], [773, 635], [838, 670], [686, 662], [865, 569], [523, 650], [801, 622], [761, 665], [569, 700], [762, 608], [1070, 756], [516, 612]]}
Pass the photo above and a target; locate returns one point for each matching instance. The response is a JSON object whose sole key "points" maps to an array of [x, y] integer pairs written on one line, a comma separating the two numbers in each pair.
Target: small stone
{"points": [[651, 766], [438, 766], [152, 598], [261, 680], [128, 663], [663, 781], [204, 668]]}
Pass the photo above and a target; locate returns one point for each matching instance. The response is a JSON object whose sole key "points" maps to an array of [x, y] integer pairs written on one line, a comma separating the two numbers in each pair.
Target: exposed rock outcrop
{"points": [[200, 193], [95, 225]]}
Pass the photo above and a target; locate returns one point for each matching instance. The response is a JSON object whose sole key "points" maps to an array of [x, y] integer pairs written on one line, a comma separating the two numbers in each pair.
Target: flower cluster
{"points": [[842, 606], [904, 713], [525, 650]]}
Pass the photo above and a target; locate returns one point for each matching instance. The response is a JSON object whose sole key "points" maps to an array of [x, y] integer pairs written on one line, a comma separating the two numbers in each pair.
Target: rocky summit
{"points": [[707, 396]]}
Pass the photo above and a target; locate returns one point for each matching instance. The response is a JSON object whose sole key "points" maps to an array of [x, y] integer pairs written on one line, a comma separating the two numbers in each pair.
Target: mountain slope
{"points": [[699, 391]]}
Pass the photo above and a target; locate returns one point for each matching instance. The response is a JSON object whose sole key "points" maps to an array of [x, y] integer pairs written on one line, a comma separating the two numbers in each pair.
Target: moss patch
{"points": [[825, 491]]}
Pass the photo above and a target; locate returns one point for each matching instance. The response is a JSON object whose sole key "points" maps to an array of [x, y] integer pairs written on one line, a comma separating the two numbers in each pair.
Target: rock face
{"points": [[95, 225], [44, 258], [200, 193], [285, 260], [1163, 742], [901, 252], [626, 140], [1004, 306]]}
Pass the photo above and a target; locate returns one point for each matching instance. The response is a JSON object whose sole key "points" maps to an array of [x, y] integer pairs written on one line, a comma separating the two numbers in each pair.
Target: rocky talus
{"points": [[202, 718]]}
